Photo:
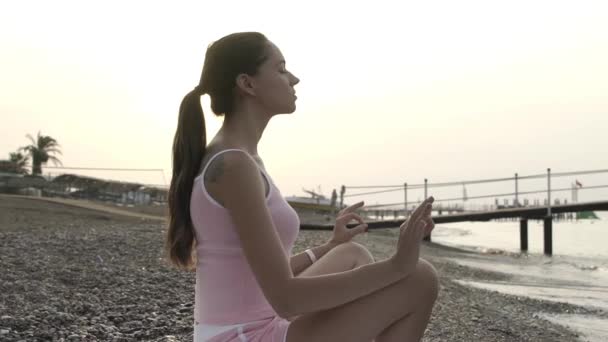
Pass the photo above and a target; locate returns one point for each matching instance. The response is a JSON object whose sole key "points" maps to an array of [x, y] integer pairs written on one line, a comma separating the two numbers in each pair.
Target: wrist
{"points": [[331, 244]]}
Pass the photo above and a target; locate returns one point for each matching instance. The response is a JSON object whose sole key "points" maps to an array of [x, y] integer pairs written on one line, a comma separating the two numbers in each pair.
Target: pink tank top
{"points": [[226, 290]]}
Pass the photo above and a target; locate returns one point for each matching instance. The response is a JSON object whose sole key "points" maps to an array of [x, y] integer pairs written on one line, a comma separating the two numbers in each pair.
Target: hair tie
{"points": [[312, 256], [199, 90]]}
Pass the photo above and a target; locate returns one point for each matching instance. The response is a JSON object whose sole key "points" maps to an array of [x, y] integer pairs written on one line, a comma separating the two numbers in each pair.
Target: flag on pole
{"points": [[579, 184]]}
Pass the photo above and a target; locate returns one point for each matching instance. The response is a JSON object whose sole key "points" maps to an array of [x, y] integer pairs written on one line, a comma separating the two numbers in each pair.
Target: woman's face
{"points": [[274, 84]]}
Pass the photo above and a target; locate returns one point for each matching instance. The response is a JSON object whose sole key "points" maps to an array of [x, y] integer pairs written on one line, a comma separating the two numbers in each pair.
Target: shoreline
{"points": [[92, 275]]}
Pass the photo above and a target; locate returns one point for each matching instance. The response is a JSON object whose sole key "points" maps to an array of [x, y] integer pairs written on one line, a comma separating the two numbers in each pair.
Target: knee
{"points": [[428, 279], [359, 253]]}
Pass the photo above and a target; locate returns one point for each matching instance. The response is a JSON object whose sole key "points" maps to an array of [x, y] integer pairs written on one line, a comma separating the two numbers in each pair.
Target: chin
{"points": [[287, 110]]}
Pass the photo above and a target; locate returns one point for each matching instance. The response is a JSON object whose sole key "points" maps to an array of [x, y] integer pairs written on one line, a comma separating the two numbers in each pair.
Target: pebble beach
{"points": [[78, 274]]}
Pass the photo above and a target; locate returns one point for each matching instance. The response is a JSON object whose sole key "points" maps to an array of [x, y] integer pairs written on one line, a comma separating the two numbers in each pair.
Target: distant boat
{"points": [[315, 203], [318, 203]]}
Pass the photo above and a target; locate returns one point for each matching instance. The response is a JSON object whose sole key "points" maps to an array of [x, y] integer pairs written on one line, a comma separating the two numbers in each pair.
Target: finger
{"points": [[422, 207], [416, 215], [420, 211], [430, 227], [419, 230], [345, 219], [428, 221], [428, 214], [414, 226], [362, 228], [412, 233], [352, 208], [410, 218]]}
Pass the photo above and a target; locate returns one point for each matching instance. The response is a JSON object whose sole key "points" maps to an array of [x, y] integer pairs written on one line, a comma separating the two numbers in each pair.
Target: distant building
{"points": [[76, 186], [106, 190], [19, 184]]}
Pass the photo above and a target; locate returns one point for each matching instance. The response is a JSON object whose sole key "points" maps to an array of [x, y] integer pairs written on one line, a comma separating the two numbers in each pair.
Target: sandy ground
{"points": [[85, 274]]}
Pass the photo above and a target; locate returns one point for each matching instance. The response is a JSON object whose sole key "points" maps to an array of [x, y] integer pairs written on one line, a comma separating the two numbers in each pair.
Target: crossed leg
{"points": [[407, 304], [343, 257]]}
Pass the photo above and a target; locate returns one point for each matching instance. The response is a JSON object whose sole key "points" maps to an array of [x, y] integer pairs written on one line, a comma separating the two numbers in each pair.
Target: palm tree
{"points": [[16, 163], [19, 162], [40, 150]]}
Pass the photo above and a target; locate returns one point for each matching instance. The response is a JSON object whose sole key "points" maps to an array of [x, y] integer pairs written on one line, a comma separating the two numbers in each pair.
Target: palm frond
{"points": [[55, 160], [29, 136], [28, 148], [53, 150]]}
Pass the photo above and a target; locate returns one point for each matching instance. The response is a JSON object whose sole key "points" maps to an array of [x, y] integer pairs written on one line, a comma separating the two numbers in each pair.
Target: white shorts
{"points": [[272, 329]]}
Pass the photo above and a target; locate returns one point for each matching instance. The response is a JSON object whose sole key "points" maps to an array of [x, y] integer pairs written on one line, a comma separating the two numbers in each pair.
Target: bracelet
{"points": [[311, 255]]}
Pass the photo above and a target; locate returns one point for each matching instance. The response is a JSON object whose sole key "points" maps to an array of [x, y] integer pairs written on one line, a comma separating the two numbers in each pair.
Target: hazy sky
{"points": [[390, 92]]}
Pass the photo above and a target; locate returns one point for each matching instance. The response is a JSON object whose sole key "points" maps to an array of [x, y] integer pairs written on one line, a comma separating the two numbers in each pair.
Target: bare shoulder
{"points": [[228, 162], [226, 170], [215, 169]]}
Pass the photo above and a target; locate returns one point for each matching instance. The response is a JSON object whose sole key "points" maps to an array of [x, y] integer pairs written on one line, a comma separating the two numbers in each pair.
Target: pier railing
{"points": [[512, 201], [362, 191]]}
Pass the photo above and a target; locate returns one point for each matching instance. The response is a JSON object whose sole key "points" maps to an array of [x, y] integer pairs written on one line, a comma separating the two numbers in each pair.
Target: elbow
{"points": [[285, 310], [282, 313], [283, 303]]}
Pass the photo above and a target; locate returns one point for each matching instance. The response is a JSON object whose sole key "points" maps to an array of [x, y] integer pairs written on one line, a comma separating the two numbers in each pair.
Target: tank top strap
{"points": [[227, 150]]}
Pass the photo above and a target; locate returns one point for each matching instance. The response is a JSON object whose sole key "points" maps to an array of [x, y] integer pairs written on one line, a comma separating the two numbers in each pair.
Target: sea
{"points": [[576, 273]]}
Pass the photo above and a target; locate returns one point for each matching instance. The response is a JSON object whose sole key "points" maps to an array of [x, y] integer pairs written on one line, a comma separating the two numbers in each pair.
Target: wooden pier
{"points": [[523, 213]]}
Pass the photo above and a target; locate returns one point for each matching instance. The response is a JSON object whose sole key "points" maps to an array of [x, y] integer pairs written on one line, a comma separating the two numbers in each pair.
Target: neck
{"points": [[244, 128]]}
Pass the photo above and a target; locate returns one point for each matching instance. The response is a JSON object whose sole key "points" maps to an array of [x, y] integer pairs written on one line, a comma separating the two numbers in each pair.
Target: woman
{"points": [[225, 208]]}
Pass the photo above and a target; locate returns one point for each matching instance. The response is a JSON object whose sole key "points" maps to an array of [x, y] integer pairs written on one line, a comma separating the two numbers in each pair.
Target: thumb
{"points": [[362, 228]]}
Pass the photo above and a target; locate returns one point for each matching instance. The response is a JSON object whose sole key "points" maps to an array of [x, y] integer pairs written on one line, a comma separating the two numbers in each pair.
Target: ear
{"points": [[245, 84]]}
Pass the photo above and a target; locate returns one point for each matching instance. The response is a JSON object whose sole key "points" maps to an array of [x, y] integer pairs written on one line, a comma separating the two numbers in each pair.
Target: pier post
{"points": [[516, 193], [548, 235], [405, 215], [549, 192], [428, 237], [523, 234]]}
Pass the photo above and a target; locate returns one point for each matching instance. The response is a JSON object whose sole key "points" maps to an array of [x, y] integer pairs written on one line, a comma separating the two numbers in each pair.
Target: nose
{"points": [[295, 80]]}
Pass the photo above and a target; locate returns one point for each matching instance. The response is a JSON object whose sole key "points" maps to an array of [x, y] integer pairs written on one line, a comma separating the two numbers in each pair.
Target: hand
{"points": [[343, 234], [411, 233], [428, 220]]}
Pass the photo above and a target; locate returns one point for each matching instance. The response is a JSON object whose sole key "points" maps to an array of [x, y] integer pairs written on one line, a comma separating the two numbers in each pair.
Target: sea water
{"points": [[584, 243], [576, 273]]}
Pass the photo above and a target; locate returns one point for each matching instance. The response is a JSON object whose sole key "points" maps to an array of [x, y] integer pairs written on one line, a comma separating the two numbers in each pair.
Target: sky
{"points": [[390, 91]]}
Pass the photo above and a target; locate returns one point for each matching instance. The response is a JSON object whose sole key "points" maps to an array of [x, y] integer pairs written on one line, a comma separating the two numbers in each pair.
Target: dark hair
{"points": [[225, 59]]}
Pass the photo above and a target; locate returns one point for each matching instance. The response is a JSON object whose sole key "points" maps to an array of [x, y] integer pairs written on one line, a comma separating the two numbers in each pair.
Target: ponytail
{"points": [[225, 59], [188, 151]]}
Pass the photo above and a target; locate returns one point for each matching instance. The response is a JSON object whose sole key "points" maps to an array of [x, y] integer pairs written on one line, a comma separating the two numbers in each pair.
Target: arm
{"points": [[301, 261], [241, 190]]}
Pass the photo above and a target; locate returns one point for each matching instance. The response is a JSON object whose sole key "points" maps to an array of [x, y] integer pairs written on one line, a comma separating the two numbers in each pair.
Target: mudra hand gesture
{"points": [[411, 232], [343, 234]]}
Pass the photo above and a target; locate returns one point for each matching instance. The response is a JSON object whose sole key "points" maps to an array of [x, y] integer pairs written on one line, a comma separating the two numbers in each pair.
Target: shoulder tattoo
{"points": [[215, 169]]}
